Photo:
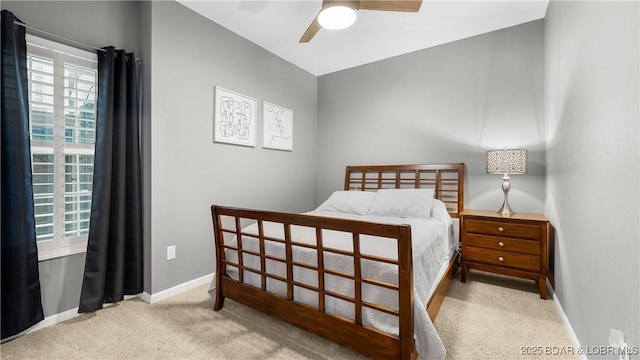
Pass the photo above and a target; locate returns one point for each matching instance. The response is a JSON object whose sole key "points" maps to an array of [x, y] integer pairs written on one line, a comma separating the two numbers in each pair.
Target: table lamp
{"points": [[506, 161]]}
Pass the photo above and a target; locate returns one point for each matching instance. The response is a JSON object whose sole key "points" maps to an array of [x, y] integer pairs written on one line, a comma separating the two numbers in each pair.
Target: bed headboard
{"points": [[446, 179]]}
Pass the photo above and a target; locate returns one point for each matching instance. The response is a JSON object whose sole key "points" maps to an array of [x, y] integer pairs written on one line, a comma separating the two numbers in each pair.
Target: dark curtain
{"points": [[21, 302], [114, 266]]}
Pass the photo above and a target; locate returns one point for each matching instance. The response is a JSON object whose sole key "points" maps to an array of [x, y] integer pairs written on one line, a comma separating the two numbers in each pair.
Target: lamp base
{"points": [[505, 210]]}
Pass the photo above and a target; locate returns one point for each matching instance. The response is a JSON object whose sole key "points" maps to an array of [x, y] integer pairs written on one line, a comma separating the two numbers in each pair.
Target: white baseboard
{"points": [[165, 294], [149, 298], [145, 296], [48, 321], [565, 320]]}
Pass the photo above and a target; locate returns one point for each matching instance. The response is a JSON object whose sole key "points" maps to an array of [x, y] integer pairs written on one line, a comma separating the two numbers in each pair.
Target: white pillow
{"points": [[409, 203], [439, 211], [350, 202]]}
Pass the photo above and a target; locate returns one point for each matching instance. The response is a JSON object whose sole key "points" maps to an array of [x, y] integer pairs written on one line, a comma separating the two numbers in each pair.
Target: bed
{"points": [[349, 275]]}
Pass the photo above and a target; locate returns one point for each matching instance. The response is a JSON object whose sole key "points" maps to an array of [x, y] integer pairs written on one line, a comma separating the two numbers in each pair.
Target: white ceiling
{"points": [[277, 25]]}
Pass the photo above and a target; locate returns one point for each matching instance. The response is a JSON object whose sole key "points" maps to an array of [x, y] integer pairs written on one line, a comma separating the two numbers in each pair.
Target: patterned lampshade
{"points": [[507, 161]]}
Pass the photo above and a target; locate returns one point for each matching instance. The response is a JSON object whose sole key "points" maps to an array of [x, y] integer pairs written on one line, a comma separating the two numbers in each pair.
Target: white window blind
{"points": [[41, 99], [62, 102]]}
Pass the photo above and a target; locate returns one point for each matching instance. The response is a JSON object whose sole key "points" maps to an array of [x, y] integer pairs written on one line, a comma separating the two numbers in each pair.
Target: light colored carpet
{"points": [[478, 320], [500, 317]]}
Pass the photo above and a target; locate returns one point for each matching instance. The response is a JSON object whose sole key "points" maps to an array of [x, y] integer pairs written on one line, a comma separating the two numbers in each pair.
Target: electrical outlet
{"points": [[619, 343], [171, 252]]}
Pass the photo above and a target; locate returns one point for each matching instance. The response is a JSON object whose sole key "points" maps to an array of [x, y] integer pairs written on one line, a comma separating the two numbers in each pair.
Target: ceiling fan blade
{"points": [[391, 5], [348, 3], [313, 28]]}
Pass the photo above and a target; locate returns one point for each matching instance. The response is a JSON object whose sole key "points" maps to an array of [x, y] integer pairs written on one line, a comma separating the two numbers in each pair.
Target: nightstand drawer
{"points": [[504, 228], [503, 258], [504, 244]]}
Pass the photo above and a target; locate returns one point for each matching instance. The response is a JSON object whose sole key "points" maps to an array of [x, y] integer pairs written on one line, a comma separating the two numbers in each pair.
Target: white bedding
{"points": [[433, 244]]}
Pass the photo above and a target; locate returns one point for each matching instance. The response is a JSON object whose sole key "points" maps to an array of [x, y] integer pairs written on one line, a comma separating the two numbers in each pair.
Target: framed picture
{"points": [[277, 126], [235, 118]]}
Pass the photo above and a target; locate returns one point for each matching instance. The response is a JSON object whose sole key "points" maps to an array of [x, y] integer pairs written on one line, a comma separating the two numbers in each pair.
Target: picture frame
{"points": [[277, 123], [235, 118]]}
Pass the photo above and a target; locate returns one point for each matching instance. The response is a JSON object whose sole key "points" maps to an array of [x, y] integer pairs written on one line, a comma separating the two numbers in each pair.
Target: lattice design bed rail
{"points": [[233, 238]]}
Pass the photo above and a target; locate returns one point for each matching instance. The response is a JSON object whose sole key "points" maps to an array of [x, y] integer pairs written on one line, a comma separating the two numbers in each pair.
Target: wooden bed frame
{"points": [[448, 182]]}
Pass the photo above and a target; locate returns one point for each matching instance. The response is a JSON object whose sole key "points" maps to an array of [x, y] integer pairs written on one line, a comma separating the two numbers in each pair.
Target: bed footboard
{"points": [[247, 253]]}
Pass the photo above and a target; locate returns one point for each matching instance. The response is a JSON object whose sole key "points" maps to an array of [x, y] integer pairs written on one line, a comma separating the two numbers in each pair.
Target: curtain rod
{"points": [[56, 35], [138, 60]]}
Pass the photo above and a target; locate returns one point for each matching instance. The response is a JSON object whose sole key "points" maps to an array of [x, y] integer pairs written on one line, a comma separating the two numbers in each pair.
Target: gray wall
{"points": [[592, 160], [98, 23], [449, 103], [145, 136], [190, 56]]}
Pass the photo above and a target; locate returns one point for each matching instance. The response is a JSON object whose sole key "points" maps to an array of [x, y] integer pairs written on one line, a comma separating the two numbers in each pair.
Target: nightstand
{"points": [[516, 245]]}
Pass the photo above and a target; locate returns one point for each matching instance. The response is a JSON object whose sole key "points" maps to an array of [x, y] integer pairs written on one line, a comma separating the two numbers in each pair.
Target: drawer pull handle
{"points": [[501, 229], [500, 258], [501, 244]]}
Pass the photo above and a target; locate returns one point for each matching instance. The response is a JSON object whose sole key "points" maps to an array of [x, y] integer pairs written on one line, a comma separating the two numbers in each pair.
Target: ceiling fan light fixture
{"points": [[337, 17]]}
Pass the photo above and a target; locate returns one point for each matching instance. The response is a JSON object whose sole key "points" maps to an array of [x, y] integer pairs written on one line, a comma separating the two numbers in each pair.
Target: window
{"points": [[62, 117]]}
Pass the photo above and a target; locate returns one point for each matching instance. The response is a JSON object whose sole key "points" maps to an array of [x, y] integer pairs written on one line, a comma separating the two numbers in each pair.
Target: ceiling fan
{"points": [[350, 5]]}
